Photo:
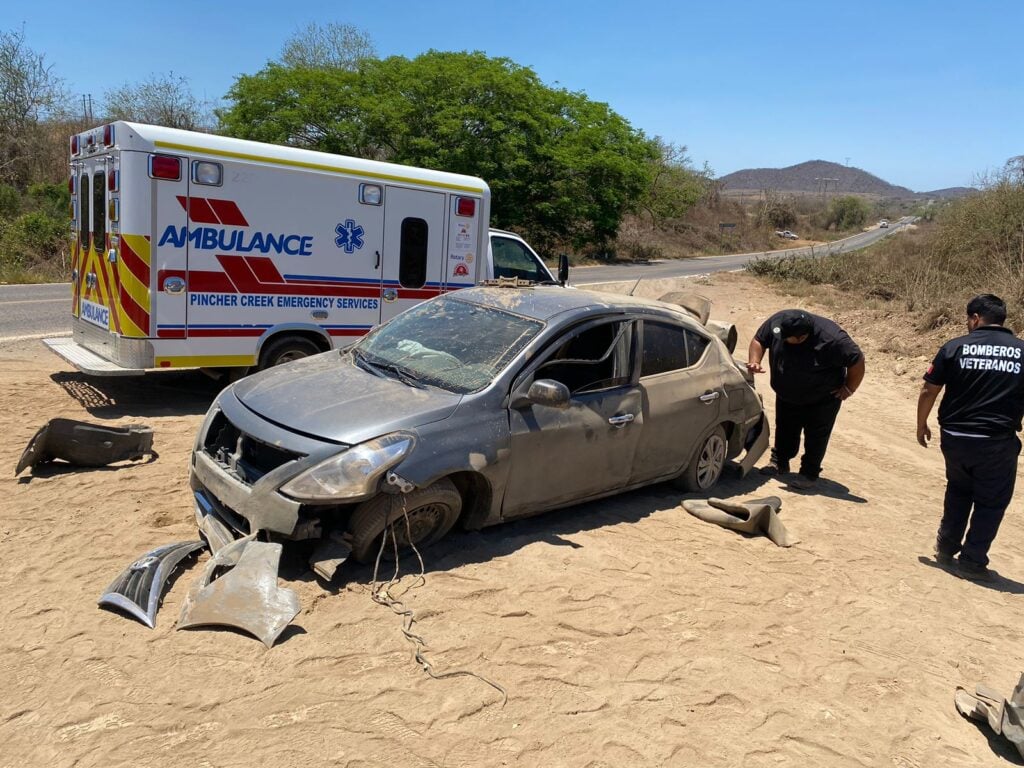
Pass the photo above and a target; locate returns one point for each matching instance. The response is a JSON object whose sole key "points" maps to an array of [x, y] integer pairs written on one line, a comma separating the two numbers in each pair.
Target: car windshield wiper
{"points": [[366, 365], [378, 368], [404, 374]]}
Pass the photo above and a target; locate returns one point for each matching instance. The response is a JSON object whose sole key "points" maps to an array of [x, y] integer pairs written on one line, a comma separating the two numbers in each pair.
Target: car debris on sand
{"points": [[471, 409]]}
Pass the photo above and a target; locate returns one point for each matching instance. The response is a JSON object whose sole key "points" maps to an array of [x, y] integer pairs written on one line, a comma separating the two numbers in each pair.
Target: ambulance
{"points": [[199, 251]]}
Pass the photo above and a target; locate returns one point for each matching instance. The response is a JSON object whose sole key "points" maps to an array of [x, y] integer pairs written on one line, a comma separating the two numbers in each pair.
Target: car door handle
{"points": [[621, 420], [710, 397]]}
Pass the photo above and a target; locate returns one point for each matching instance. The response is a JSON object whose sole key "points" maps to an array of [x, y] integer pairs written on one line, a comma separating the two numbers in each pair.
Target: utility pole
{"points": [[847, 162], [823, 183]]}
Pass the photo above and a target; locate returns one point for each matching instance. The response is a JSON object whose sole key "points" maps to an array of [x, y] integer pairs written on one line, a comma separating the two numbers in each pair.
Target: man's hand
{"points": [[925, 401], [755, 353], [924, 435], [843, 392]]}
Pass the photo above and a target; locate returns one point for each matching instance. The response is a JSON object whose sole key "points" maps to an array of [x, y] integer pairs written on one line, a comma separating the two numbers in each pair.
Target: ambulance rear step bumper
{"points": [[86, 360]]}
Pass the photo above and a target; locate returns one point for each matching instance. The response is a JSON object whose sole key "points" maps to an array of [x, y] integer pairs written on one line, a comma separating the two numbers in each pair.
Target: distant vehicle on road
{"points": [[883, 224], [787, 234]]}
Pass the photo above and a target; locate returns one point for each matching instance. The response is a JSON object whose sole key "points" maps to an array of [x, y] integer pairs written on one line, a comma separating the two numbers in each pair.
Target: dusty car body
{"points": [[475, 408]]}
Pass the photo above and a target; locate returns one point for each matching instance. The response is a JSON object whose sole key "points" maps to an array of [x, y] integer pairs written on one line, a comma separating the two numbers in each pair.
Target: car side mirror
{"points": [[548, 392], [563, 269]]}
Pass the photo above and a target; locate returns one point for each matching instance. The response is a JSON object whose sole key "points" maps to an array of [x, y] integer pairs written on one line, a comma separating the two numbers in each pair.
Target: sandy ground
{"points": [[626, 632]]}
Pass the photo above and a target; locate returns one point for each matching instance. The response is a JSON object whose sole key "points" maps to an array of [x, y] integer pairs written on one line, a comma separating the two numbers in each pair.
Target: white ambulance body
{"points": [[193, 250]]}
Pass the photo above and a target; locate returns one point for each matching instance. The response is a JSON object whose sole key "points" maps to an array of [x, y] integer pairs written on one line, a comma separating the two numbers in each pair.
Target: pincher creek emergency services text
{"points": [[260, 300]]}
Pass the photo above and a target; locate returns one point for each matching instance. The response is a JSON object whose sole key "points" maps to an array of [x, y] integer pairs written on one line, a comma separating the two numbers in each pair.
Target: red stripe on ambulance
{"points": [[228, 213]]}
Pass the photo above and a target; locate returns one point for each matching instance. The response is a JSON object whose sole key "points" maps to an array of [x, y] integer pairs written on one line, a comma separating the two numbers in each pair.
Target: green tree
{"points": [[847, 212], [560, 166]]}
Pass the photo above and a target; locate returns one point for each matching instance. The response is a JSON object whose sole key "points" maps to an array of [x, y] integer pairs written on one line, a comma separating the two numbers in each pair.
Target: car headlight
{"points": [[351, 474]]}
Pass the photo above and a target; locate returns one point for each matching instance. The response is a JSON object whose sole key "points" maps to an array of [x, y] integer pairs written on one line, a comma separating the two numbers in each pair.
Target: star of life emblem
{"points": [[349, 236]]}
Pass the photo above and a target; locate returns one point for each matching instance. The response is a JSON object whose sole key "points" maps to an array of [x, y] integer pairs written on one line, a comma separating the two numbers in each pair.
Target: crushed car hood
{"points": [[328, 396]]}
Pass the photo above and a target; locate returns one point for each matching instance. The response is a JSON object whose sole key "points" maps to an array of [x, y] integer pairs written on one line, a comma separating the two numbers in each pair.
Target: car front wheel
{"points": [[418, 518], [706, 465]]}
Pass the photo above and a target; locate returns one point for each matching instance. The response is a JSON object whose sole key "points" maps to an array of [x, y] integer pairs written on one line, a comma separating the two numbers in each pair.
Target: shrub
{"points": [[52, 198], [847, 212], [31, 238], [10, 201]]}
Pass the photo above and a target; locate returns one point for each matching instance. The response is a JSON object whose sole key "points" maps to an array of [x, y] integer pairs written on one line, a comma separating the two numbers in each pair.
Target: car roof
{"points": [[545, 302]]}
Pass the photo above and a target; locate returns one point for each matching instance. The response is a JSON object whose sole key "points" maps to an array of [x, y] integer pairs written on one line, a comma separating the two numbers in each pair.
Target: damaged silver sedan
{"points": [[471, 409]]}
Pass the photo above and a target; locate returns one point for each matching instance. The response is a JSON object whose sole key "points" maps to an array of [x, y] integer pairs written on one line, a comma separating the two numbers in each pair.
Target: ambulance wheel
{"points": [[707, 463], [286, 349], [420, 517]]}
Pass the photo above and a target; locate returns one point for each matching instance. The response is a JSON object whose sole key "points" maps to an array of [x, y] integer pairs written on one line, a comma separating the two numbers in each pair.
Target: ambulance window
{"points": [[99, 211], [83, 210], [412, 259]]}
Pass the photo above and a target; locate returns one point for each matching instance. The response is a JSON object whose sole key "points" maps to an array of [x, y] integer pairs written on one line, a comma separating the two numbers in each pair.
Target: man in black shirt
{"points": [[815, 365], [979, 418]]}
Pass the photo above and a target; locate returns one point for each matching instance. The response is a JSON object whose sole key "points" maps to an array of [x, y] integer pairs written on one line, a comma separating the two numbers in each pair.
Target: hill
{"points": [[948, 193], [809, 177]]}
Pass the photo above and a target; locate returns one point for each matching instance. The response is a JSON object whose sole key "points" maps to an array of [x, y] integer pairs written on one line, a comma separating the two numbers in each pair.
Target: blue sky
{"points": [[923, 94]]}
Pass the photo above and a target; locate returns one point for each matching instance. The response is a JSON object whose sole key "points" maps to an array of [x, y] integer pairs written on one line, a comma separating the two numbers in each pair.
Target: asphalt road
{"points": [[34, 311], [582, 276]]}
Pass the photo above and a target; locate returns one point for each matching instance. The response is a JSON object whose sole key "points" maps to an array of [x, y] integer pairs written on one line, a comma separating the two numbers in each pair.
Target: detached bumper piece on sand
{"points": [[753, 516], [138, 589], [237, 588], [246, 597], [1004, 716], [86, 445]]}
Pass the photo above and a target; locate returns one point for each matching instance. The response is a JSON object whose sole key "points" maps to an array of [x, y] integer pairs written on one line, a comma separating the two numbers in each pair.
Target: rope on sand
{"points": [[380, 593]]}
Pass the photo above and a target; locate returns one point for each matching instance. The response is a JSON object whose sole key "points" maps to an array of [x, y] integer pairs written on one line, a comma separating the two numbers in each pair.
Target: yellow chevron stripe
{"points": [[128, 326], [315, 166], [134, 286], [113, 302], [136, 289], [205, 361], [140, 245]]}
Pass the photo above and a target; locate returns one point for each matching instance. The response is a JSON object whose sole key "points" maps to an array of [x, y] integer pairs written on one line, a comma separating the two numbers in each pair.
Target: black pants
{"points": [[815, 421], [980, 473]]}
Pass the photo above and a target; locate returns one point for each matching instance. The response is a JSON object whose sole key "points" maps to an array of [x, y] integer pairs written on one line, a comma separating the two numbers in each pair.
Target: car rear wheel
{"points": [[706, 465], [425, 517], [286, 350]]}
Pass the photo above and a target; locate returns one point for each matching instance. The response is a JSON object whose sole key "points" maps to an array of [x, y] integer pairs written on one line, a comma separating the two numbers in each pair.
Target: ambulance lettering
{"points": [[236, 240], [96, 314]]}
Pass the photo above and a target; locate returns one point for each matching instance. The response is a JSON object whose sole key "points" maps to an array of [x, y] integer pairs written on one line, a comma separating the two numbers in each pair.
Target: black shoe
{"points": [[945, 559], [973, 572], [775, 468], [803, 483]]}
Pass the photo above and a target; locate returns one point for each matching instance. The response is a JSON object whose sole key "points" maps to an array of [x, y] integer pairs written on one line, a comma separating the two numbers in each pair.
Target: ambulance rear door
{"points": [[413, 257], [168, 177], [96, 277]]}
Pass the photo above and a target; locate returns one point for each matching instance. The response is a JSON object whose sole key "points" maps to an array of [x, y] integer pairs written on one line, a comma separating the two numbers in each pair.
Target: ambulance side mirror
{"points": [[563, 269]]}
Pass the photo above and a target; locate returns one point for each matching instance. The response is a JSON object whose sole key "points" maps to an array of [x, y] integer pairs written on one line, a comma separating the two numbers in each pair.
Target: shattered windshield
{"points": [[446, 343]]}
